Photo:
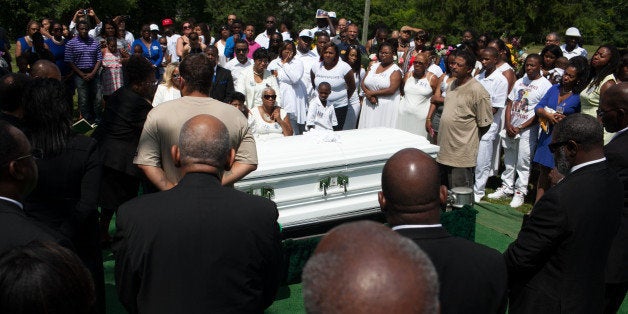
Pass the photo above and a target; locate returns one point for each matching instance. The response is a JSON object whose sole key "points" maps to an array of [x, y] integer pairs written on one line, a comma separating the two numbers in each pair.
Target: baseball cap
{"points": [[166, 22], [154, 27], [573, 32], [306, 33]]}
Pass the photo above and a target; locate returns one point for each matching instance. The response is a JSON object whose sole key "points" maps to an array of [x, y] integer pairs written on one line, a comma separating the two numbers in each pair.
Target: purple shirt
{"points": [[83, 53]]}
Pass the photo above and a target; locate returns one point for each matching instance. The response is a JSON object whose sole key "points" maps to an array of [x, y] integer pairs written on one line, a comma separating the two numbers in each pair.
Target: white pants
{"points": [[486, 153], [518, 154]]}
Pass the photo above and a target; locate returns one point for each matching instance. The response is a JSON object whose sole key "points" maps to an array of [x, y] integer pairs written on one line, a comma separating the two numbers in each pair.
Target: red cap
{"points": [[166, 22]]}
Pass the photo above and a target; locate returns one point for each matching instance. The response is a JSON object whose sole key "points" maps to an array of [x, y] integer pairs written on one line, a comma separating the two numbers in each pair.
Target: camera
{"points": [[85, 11]]}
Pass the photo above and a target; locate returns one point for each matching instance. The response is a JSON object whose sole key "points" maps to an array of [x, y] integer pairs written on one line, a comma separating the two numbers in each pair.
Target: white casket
{"points": [[314, 181]]}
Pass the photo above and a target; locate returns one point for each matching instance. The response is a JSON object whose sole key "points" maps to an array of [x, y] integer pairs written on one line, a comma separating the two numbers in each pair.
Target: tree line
{"points": [[600, 21]]}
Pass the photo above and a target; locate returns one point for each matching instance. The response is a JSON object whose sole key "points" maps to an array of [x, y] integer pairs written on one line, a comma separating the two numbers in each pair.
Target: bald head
{"points": [[411, 185], [45, 69], [365, 267], [204, 140], [614, 107]]}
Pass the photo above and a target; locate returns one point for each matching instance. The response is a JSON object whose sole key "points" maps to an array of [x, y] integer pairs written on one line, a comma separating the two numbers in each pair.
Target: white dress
{"points": [[415, 105], [384, 113], [263, 130], [292, 89], [353, 111]]}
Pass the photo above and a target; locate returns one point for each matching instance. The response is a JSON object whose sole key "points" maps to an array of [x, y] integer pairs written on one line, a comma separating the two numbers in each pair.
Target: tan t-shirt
{"points": [[163, 125], [466, 108]]}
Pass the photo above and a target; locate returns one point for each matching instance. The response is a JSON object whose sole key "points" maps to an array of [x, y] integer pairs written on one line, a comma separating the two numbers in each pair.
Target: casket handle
{"points": [[326, 182]]}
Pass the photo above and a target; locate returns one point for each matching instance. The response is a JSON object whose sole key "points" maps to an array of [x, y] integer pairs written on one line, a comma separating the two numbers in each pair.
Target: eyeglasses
{"points": [[176, 76], [270, 22], [187, 27], [150, 83], [268, 97], [35, 153], [601, 113], [553, 147], [241, 50]]}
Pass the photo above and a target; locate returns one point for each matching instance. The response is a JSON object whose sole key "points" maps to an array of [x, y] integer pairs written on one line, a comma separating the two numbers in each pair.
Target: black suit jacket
{"points": [[557, 263], [617, 155], [222, 87], [197, 248], [472, 276], [17, 229]]}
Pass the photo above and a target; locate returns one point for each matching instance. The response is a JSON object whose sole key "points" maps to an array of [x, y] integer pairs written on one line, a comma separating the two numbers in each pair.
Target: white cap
{"points": [[154, 27], [573, 32], [331, 14], [306, 33]]}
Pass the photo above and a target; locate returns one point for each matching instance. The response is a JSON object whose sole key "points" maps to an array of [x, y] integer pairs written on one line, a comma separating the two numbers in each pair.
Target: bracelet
{"points": [[428, 119]]}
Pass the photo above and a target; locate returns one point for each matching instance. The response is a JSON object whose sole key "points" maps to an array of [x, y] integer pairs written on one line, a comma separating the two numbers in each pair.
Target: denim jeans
{"points": [[89, 98]]}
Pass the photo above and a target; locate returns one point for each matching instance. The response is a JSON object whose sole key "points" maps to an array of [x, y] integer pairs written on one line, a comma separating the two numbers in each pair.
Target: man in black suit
{"points": [[472, 276], [222, 82], [12, 87], [198, 247], [613, 112], [557, 263], [18, 177]]}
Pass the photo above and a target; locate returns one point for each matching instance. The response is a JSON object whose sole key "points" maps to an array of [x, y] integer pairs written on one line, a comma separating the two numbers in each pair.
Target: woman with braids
{"points": [[504, 64], [66, 195]]}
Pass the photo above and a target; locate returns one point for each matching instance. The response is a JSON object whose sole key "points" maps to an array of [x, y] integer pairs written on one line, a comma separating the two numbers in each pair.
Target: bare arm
{"points": [[350, 81], [157, 177], [237, 172], [180, 47]]}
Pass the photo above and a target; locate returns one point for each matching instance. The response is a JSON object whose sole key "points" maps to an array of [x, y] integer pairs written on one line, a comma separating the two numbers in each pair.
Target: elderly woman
{"points": [[254, 79], [341, 78], [289, 71], [268, 120], [419, 86], [169, 87]]}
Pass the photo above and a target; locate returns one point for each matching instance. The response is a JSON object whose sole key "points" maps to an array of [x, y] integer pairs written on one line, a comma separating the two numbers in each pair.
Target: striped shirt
{"points": [[83, 53]]}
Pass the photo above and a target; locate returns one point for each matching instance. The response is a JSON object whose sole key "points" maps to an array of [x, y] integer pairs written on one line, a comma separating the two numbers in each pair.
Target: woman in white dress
{"points": [[254, 79], [169, 87], [268, 120], [381, 91], [288, 72], [353, 57], [418, 88]]}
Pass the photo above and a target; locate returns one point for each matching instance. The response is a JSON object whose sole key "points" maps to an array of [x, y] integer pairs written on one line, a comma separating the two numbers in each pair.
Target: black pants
{"points": [[341, 116]]}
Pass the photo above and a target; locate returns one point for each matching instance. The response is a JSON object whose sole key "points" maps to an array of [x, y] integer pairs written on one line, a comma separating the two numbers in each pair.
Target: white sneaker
{"points": [[517, 200], [499, 193], [477, 198]]}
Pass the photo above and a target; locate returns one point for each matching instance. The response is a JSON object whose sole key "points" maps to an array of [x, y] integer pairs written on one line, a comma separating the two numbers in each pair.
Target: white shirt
{"points": [[236, 68], [321, 117], [619, 132], [525, 94], [416, 226], [496, 85], [578, 51], [164, 94], [10, 200], [436, 70], [263, 39], [172, 46], [576, 167]]}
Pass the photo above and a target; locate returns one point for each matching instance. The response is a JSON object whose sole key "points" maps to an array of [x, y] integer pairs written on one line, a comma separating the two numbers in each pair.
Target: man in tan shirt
{"points": [[467, 115], [163, 125]]}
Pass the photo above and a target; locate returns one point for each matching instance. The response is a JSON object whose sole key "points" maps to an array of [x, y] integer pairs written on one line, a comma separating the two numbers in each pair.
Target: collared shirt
{"points": [[578, 51], [10, 200], [619, 132], [263, 39], [576, 167], [416, 226], [83, 53]]}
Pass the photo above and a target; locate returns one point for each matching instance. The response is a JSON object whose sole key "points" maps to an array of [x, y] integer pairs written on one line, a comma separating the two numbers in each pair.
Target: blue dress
{"points": [[543, 155], [58, 51]]}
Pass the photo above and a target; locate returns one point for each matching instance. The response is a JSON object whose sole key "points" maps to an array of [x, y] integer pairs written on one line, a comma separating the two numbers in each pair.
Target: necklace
{"points": [[57, 42], [258, 74]]}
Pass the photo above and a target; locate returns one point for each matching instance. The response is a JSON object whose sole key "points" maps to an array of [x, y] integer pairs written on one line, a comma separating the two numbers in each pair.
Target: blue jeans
{"points": [[89, 98]]}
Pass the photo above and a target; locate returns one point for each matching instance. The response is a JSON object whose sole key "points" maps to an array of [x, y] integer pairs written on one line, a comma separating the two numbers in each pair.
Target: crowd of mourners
{"points": [[135, 94]]}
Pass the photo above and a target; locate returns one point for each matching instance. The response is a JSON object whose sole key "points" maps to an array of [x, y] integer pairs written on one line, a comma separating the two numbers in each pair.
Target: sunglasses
{"points": [[241, 50], [35, 153], [601, 113], [273, 97], [187, 27], [553, 147], [270, 22]]}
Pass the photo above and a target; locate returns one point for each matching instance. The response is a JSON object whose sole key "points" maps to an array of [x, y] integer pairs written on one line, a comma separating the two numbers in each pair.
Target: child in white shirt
{"points": [[319, 114]]}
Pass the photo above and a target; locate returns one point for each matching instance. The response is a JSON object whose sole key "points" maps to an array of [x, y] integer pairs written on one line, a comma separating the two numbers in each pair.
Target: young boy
{"points": [[319, 115]]}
